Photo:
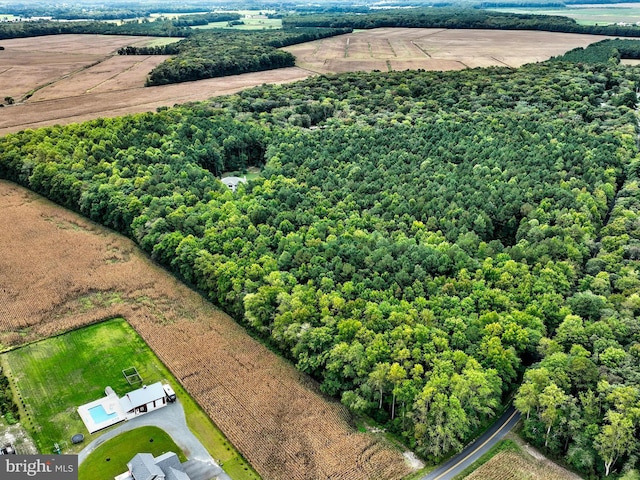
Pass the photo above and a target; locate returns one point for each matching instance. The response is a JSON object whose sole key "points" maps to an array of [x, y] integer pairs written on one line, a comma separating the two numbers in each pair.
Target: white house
{"points": [[145, 466], [233, 182], [109, 410], [143, 400]]}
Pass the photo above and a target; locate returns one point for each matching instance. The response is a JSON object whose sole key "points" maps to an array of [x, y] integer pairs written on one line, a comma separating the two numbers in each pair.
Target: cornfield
{"points": [[509, 465]]}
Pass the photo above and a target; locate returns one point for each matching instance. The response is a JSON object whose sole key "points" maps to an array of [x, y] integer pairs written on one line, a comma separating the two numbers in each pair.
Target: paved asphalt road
{"points": [[456, 465]]}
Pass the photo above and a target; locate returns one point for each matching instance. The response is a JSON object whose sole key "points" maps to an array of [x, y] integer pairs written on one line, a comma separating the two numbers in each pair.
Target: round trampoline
{"points": [[77, 438]]}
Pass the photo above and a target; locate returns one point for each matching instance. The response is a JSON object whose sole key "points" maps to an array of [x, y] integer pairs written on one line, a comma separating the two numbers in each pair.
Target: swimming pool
{"points": [[100, 415]]}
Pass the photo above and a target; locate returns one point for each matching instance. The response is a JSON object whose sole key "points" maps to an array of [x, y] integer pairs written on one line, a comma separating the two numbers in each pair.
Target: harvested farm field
{"points": [[34, 66], [510, 465], [61, 79], [433, 49], [64, 79], [61, 271]]}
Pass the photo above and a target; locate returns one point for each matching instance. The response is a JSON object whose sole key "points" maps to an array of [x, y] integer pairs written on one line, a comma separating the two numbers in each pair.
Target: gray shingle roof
{"points": [[167, 466], [142, 396], [143, 467]]}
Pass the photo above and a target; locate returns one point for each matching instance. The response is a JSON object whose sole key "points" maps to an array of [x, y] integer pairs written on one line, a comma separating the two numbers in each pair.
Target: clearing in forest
{"points": [[61, 271]]}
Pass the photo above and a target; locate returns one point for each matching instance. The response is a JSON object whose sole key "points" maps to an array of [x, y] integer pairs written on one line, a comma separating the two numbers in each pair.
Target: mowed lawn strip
{"points": [[110, 458], [57, 375]]}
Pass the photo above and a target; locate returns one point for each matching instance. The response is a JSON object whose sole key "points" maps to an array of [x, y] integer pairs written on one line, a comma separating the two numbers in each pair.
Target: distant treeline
{"points": [[219, 53], [205, 19], [73, 12], [122, 10], [456, 18], [604, 51], [161, 27], [158, 28]]}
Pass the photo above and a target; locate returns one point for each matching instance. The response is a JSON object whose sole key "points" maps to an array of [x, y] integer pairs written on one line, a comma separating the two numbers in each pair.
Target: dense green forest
{"points": [[454, 18], [425, 244], [158, 28], [605, 51], [203, 54], [218, 53]]}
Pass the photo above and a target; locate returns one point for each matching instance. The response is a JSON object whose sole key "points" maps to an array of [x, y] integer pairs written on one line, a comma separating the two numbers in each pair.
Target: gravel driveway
{"points": [[171, 419]]}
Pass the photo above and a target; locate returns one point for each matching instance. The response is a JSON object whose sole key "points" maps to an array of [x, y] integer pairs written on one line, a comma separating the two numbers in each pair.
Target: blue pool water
{"points": [[99, 414]]}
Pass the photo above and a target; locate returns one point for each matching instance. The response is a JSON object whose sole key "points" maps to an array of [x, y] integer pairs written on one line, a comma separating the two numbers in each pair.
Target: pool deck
{"points": [[111, 404]]}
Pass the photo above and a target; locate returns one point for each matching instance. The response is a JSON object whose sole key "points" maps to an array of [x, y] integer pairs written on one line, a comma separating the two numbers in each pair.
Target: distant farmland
{"points": [[433, 49], [586, 14], [72, 78]]}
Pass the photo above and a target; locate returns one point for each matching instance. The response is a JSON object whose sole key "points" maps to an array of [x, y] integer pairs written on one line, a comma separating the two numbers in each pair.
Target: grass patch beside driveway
{"points": [[118, 452], [52, 377]]}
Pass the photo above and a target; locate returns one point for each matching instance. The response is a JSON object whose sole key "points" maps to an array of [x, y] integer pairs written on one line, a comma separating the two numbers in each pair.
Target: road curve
{"points": [[457, 464]]}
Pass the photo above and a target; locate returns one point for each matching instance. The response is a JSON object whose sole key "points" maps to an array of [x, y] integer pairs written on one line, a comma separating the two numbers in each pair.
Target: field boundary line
{"points": [[420, 48], [30, 93], [392, 49], [433, 33], [500, 61], [318, 45], [139, 62]]}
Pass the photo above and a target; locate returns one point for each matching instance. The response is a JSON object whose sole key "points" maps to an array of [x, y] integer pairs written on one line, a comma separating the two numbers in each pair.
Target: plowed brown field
{"points": [[72, 78], [433, 49], [59, 271]]}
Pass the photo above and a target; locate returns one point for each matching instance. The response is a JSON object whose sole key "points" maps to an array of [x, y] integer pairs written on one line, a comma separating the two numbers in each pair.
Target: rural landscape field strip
{"points": [[33, 62], [40, 61], [81, 107], [433, 49], [61, 271], [113, 73]]}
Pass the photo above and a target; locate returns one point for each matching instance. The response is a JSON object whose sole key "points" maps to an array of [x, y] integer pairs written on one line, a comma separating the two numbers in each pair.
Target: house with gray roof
{"points": [[143, 400], [145, 466], [233, 182]]}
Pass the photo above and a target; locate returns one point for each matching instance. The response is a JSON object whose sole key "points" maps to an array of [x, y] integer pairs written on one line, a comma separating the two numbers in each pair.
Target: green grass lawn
{"points": [[251, 173], [249, 24], [161, 41], [55, 376], [110, 458]]}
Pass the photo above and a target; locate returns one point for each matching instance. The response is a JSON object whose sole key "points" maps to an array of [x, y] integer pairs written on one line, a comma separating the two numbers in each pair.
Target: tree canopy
{"points": [[422, 243]]}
